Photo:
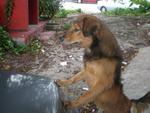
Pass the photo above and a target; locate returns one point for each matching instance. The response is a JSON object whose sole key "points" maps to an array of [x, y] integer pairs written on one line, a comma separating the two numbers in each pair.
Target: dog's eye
{"points": [[76, 30]]}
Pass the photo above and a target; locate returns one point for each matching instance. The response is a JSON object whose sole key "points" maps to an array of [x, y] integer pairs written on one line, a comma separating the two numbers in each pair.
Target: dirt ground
{"points": [[58, 61]]}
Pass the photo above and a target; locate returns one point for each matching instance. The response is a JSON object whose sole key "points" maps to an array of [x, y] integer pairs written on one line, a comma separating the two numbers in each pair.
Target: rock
{"points": [[20, 93], [137, 75], [63, 63], [146, 26], [85, 89], [124, 63], [45, 36]]}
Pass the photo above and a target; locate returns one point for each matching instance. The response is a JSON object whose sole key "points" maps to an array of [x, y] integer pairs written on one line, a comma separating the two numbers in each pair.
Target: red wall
{"points": [[20, 16], [33, 12], [2, 18], [24, 12]]}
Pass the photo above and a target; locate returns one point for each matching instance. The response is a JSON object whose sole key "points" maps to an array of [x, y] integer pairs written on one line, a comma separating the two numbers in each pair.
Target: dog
{"points": [[102, 68]]}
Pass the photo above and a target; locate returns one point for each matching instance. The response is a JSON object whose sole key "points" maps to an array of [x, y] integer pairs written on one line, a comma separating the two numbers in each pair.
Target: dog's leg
{"points": [[90, 95], [75, 78]]}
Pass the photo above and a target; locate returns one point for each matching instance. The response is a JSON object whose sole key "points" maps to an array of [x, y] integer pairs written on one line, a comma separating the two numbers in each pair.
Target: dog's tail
{"points": [[141, 105]]}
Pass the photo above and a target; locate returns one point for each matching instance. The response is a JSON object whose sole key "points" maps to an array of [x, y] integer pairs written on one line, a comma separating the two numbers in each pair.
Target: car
{"points": [[105, 5], [89, 1]]}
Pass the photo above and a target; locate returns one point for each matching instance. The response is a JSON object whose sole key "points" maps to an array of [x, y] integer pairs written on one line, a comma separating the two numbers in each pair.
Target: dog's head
{"points": [[94, 35], [74, 34], [82, 30]]}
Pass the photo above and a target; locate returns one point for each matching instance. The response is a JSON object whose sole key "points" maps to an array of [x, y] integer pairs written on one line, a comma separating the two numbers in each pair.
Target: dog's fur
{"points": [[102, 68]]}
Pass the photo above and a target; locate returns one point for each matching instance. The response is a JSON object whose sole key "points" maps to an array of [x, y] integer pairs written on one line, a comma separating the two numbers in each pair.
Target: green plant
{"points": [[7, 45], [63, 12], [48, 8], [6, 42], [66, 26], [9, 10], [34, 46]]}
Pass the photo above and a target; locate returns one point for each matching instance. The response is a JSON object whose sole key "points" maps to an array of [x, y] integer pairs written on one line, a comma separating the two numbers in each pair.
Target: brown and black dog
{"points": [[102, 68]]}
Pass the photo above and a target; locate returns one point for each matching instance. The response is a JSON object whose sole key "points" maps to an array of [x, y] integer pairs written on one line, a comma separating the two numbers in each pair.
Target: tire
{"points": [[103, 9]]}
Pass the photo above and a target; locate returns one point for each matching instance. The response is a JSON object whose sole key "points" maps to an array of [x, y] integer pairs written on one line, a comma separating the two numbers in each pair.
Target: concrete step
{"points": [[52, 26], [33, 31]]}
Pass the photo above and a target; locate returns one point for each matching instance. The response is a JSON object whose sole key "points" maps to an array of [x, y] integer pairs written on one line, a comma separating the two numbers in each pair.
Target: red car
{"points": [[89, 1]]}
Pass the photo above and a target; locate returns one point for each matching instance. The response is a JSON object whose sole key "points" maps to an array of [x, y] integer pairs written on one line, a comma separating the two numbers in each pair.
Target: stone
{"points": [[137, 75], [45, 36]]}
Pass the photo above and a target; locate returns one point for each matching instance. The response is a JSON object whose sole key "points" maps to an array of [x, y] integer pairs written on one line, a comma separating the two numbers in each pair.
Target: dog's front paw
{"points": [[60, 82], [70, 104], [67, 104]]}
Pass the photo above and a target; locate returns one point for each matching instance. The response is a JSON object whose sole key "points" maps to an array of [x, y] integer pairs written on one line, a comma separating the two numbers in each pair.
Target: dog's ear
{"points": [[88, 26]]}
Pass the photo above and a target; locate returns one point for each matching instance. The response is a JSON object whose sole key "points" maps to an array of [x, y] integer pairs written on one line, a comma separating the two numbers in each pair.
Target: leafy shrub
{"points": [[7, 45], [5, 42], [144, 9], [125, 12], [48, 8], [144, 5]]}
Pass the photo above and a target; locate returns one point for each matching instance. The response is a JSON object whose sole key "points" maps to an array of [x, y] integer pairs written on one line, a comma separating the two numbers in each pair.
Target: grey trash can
{"points": [[23, 93]]}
